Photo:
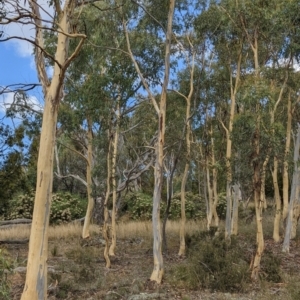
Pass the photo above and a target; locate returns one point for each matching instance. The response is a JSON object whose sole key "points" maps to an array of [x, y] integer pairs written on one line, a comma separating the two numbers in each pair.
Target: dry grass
{"points": [[81, 274], [124, 230]]}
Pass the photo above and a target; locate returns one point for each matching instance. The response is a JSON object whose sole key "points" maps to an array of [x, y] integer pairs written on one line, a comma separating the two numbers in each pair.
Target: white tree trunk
{"points": [[294, 195], [285, 175], [89, 165], [235, 208], [114, 182], [276, 231]]}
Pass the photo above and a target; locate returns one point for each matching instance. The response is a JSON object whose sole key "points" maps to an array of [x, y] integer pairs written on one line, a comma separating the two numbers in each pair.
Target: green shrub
{"points": [[194, 206], [139, 206], [64, 207]]}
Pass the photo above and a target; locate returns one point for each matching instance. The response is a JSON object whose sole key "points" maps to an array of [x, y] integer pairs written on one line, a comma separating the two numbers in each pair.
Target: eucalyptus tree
{"points": [[258, 21], [165, 12], [36, 278], [227, 41]]}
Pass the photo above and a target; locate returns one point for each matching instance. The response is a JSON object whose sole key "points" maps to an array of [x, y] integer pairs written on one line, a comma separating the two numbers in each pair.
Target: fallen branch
{"points": [[16, 221], [14, 225]]}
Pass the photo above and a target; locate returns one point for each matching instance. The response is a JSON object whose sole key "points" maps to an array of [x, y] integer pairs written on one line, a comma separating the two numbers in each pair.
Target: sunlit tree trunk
{"points": [[105, 231], [294, 196], [90, 207], [235, 208], [276, 232], [215, 198], [114, 181], [35, 287], [285, 175], [263, 182], [233, 91]]}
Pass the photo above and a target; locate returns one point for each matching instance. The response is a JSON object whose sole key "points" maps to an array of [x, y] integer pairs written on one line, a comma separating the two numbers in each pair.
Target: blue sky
{"points": [[16, 56], [14, 67], [17, 66]]}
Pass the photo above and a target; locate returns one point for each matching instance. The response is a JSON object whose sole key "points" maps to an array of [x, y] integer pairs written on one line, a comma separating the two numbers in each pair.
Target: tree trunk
{"points": [[105, 231], [233, 91], [209, 201], [36, 278], [285, 175], [263, 182], [214, 216], [258, 206], [276, 233], [158, 269], [187, 163], [183, 217], [235, 208], [90, 207], [228, 220], [114, 182], [294, 195]]}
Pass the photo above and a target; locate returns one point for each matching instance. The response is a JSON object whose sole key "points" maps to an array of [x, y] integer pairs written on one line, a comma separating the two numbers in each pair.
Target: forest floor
{"points": [[76, 267]]}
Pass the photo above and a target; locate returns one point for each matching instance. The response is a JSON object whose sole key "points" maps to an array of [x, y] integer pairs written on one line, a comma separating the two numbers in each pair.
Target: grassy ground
{"points": [[77, 267]]}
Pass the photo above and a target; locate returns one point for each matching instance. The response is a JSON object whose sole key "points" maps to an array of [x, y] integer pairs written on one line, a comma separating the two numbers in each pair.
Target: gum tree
{"points": [[36, 277]]}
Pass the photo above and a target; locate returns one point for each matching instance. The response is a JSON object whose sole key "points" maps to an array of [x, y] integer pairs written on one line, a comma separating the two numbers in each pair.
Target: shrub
{"points": [[194, 206], [139, 206], [215, 264], [64, 207]]}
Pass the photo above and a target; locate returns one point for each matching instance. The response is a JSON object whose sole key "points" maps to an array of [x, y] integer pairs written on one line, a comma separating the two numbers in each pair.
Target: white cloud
{"points": [[24, 48], [10, 98]]}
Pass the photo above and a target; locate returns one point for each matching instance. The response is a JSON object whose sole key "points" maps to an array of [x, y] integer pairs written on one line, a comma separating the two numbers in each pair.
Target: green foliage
{"points": [[139, 206], [64, 207], [5, 265], [21, 206], [194, 207]]}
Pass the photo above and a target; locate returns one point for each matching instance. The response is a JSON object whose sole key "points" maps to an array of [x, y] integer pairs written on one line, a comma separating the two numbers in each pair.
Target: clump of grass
{"points": [[54, 250], [82, 255], [5, 265], [270, 267]]}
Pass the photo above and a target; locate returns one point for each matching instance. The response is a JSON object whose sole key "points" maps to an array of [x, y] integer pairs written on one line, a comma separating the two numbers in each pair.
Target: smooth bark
{"points": [[114, 182], [294, 195], [89, 165]]}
